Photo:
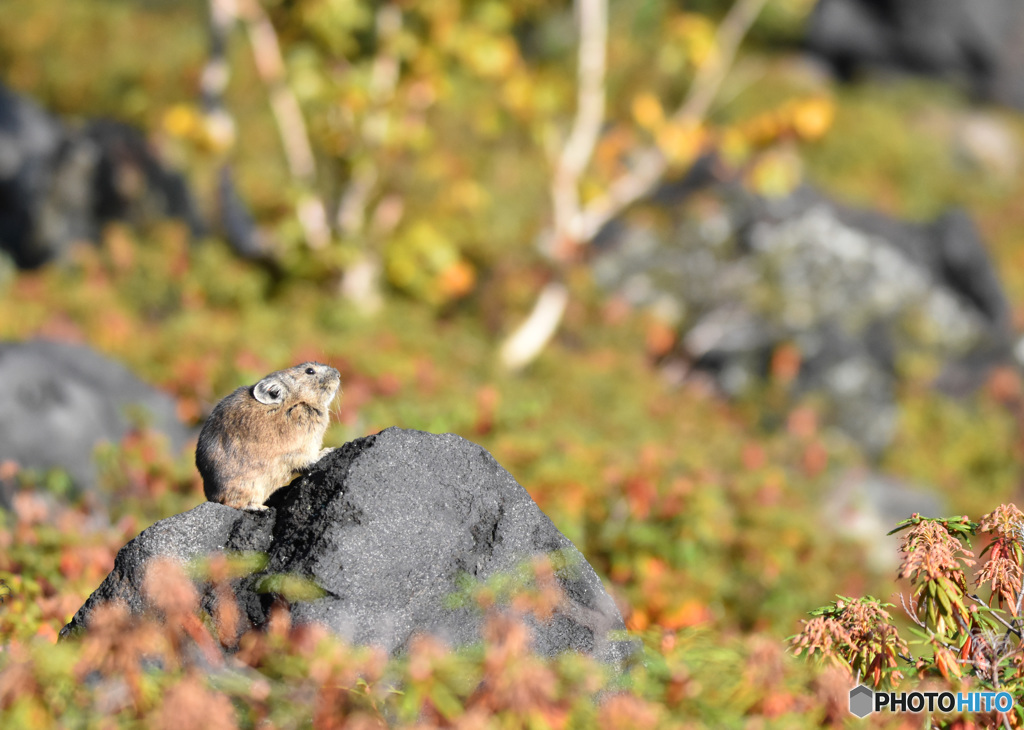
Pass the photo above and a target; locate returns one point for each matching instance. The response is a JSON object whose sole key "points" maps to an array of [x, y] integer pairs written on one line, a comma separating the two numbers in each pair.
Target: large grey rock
{"points": [[386, 525], [60, 401], [853, 289]]}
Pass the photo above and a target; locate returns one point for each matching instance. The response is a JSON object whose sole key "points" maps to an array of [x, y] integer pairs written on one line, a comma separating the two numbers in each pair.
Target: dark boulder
{"points": [[60, 401], [60, 183], [29, 140], [974, 43], [386, 526]]}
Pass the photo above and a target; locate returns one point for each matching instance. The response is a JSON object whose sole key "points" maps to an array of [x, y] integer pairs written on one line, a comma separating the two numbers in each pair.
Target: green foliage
{"points": [[291, 587], [42, 51], [975, 465], [703, 516], [962, 640], [699, 522]]}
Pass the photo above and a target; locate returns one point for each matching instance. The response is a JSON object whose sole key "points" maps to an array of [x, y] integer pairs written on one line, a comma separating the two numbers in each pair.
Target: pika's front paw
{"points": [[325, 452]]}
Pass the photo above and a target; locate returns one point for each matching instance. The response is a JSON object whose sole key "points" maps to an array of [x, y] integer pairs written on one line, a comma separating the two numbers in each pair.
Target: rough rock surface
{"points": [[975, 43], [60, 400], [854, 290], [386, 525]]}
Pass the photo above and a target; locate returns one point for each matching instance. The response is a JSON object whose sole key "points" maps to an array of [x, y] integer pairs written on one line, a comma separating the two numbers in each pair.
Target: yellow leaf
{"points": [[647, 111], [181, 120], [813, 117], [490, 57], [697, 34], [776, 173], [468, 194], [681, 142], [734, 147]]}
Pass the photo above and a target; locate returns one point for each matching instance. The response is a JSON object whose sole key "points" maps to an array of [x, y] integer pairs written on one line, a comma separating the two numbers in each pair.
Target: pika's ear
{"points": [[269, 391]]}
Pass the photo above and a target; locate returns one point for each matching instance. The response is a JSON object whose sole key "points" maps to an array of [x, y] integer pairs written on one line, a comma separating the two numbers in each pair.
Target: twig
{"points": [[361, 281], [531, 336], [527, 341], [590, 102], [575, 225], [352, 206], [912, 614], [384, 71], [711, 74], [213, 82], [989, 643], [291, 125], [651, 164], [1009, 627]]}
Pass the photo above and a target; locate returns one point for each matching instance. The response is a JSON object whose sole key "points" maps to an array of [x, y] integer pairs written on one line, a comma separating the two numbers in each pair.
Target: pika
{"points": [[260, 435]]}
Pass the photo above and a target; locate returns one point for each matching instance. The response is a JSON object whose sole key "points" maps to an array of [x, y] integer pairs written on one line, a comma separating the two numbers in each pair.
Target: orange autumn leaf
{"points": [[638, 620], [815, 458], [813, 117], [640, 493], [785, 364], [689, 613], [659, 339], [457, 280]]}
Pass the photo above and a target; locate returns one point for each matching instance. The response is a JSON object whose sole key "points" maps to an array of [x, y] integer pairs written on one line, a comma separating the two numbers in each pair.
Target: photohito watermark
{"points": [[864, 701]]}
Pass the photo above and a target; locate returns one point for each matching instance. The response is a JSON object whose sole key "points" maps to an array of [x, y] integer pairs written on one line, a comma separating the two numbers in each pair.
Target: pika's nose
{"points": [[330, 375]]}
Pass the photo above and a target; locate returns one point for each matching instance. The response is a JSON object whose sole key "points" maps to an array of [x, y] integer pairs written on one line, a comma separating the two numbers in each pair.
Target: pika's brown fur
{"points": [[258, 437]]}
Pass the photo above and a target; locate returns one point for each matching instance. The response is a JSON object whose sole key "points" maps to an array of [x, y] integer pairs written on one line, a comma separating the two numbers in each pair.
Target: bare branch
{"points": [[352, 206], [712, 73], [291, 125], [361, 284], [574, 224], [911, 611], [361, 281], [651, 165], [220, 126], [1009, 628], [384, 72], [531, 336], [590, 101]]}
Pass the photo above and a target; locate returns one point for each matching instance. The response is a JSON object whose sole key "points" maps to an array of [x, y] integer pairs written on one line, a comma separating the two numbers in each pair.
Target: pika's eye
{"points": [[310, 371]]}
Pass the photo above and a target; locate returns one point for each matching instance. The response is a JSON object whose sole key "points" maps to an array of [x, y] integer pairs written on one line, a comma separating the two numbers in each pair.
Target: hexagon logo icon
{"points": [[861, 701]]}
